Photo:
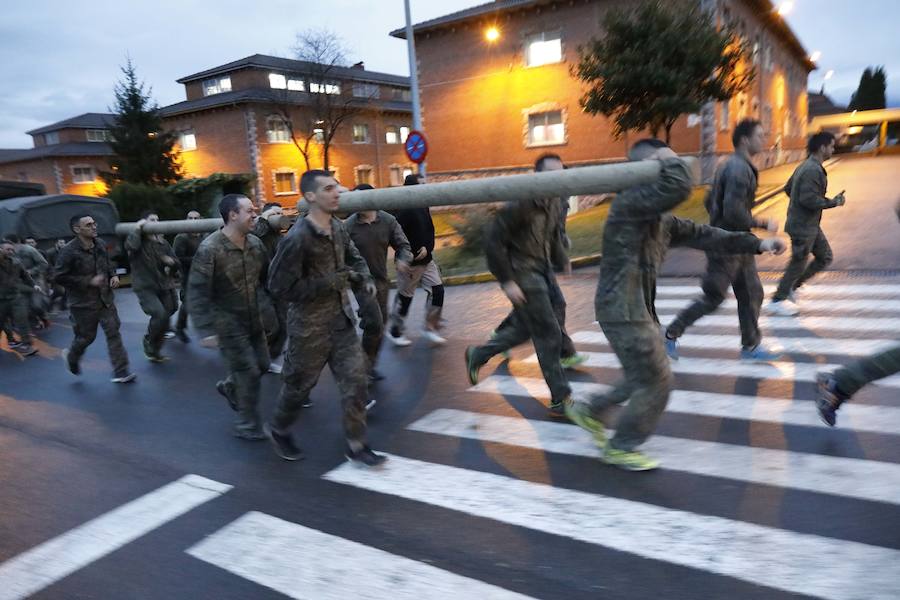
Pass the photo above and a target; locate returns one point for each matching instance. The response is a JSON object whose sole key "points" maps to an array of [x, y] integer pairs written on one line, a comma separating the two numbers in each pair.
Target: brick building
{"points": [[67, 157], [496, 90]]}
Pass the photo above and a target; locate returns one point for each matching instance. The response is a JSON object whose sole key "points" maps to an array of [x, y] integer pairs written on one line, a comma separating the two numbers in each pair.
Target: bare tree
{"points": [[329, 95]]}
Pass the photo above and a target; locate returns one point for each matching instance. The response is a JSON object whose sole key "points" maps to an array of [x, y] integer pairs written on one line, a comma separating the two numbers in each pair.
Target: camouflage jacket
{"points": [[224, 283], [33, 261], [525, 237], [313, 272], [185, 247], [148, 271], [14, 278], [730, 199], [269, 236], [806, 189], [74, 269], [373, 238], [637, 236]]}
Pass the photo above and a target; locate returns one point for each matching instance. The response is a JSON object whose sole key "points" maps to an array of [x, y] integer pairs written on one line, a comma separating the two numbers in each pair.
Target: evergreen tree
{"points": [[143, 150], [658, 61], [871, 93]]}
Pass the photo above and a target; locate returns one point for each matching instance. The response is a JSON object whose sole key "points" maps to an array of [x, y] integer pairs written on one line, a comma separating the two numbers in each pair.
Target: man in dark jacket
{"points": [[729, 204], [424, 272], [806, 188], [639, 231]]}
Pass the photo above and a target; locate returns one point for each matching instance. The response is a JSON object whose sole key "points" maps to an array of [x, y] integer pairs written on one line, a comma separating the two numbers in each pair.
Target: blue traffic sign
{"points": [[416, 147]]}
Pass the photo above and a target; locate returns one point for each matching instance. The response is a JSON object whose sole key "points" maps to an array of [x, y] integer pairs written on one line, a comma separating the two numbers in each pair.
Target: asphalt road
{"points": [[483, 496]]}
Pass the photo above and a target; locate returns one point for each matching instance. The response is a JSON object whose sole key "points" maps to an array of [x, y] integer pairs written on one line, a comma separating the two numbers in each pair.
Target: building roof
{"points": [[57, 150], [821, 104], [267, 96], [763, 7], [85, 121], [262, 61]]}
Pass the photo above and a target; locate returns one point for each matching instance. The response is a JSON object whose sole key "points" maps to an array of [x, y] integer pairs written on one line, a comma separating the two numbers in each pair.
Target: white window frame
{"points": [[366, 138], [324, 88], [404, 133], [284, 171], [97, 135], [273, 135], [537, 44], [392, 130], [359, 169], [216, 85], [530, 141], [51, 137], [76, 178], [187, 140]]}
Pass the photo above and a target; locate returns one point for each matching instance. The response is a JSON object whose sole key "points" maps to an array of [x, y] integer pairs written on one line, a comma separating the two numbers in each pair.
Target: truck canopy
{"points": [[46, 218]]}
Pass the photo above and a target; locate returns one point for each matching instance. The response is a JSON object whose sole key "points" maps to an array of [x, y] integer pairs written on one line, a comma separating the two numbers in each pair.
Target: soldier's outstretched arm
{"points": [[670, 190], [134, 239], [200, 289], [683, 232], [810, 192]]}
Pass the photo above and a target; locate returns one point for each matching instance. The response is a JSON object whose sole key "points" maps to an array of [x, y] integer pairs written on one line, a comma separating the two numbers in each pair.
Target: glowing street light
{"points": [[785, 8], [829, 74], [492, 34], [815, 56]]}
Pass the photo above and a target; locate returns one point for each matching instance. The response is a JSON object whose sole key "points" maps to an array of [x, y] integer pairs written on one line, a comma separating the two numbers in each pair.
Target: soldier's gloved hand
{"points": [[210, 341], [773, 246]]}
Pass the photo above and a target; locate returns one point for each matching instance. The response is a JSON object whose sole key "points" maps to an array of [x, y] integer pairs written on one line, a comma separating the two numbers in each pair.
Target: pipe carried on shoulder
{"points": [[600, 179]]}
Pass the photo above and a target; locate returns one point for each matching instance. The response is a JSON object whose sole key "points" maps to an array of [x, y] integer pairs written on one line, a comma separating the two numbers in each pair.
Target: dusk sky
{"points": [[62, 58]]}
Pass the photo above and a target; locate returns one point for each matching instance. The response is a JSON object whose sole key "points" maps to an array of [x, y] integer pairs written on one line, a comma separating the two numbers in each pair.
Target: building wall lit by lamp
{"points": [[492, 34]]}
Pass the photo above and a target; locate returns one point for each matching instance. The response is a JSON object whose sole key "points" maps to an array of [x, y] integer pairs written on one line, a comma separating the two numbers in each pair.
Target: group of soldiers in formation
{"points": [[250, 288]]}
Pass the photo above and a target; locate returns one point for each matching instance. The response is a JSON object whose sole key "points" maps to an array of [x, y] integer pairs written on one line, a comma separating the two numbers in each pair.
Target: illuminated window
{"points": [[366, 90], [285, 182], [98, 135], [187, 140], [277, 130], [726, 115], [216, 86], [277, 81], [83, 174], [546, 128], [360, 133], [319, 134], [404, 133], [295, 85], [391, 134], [543, 48], [51, 138], [364, 174], [324, 88]]}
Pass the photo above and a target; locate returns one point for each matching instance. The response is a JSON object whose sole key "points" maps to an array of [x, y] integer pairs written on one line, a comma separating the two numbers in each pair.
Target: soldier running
{"points": [[639, 231], [83, 267], [226, 276], [153, 267], [313, 269], [185, 247], [16, 285]]}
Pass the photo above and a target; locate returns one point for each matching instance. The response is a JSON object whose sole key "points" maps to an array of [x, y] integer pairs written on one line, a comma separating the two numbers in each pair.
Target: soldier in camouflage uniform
{"points": [[524, 244], [153, 265], [15, 284], [83, 267], [372, 232], [836, 388], [313, 270], [185, 247], [223, 292], [268, 228], [639, 231], [36, 299], [806, 188]]}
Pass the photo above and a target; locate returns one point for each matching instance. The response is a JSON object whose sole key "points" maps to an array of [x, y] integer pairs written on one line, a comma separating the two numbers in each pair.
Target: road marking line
{"points": [[828, 305], [41, 566], [848, 477], [856, 417], [806, 344], [719, 367], [879, 325], [767, 556], [819, 290], [301, 562]]}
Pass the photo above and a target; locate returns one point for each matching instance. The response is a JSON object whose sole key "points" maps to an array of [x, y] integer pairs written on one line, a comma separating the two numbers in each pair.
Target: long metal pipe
{"points": [[580, 181]]}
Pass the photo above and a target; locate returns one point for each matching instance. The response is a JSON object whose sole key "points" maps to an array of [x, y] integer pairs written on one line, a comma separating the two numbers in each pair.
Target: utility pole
{"points": [[413, 77]]}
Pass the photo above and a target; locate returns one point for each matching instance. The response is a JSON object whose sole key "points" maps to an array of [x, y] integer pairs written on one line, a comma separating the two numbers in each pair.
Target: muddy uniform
{"points": [[729, 204], [15, 286], [637, 236], [806, 189], [372, 240], [153, 283], [223, 293], [185, 247], [313, 272], [274, 313], [90, 306]]}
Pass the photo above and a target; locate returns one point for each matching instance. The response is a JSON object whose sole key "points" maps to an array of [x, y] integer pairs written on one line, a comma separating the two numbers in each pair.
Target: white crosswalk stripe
{"points": [[860, 325], [815, 290], [777, 558], [850, 477], [806, 345], [858, 417], [781, 370], [826, 305]]}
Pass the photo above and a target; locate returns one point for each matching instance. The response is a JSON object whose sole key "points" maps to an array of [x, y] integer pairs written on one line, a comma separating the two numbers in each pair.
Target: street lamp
{"points": [[829, 74], [492, 34], [815, 56], [785, 8]]}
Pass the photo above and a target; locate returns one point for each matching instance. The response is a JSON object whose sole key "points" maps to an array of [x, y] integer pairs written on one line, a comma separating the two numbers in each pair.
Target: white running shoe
{"points": [[434, 337], [784, 308], [275, 368], [400, 340], [128, 378]]}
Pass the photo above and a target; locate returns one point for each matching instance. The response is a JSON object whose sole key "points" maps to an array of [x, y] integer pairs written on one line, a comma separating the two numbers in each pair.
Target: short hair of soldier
{"points": [[644, 148], [744, 129], [363, 186], [819, 140], [411, 179], [146, 214], [76, 220], [269, 205], [308, 180], [228, 204], [539, 163]]}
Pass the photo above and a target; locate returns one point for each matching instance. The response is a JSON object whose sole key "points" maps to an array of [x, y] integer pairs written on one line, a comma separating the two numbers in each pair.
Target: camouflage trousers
{"points": [[799, 269], [247, 358], [84, 324], [558, 300], [538, 320], [373, 314], [182, 320], [307, 354], [159, 305], [274, 319], [724, 271], [646, 384], [853, 377], [15, 312]]}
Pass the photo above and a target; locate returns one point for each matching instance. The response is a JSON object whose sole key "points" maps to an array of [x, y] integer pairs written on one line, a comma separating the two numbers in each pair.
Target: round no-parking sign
{"points": [[416, 147]]}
